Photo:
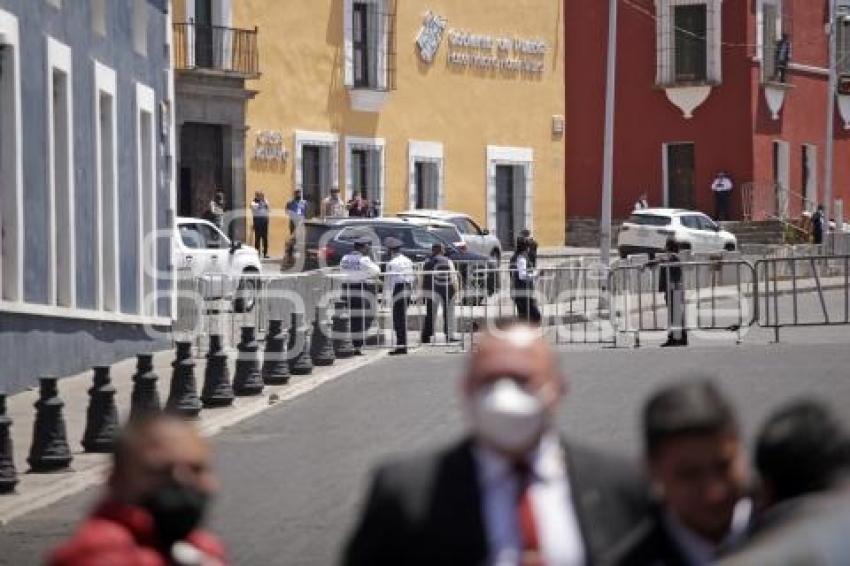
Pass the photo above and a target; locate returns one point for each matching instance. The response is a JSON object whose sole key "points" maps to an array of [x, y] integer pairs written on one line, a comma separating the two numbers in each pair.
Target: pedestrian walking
{"points": [[157, 494], [260, 212], [439, 285], [512, 490], [722, 188], [818, 225], [670, 284], [332, 205], [297, 210], [525, 234], [359, 290], [698, 468], [522, 284], [399, 280]]}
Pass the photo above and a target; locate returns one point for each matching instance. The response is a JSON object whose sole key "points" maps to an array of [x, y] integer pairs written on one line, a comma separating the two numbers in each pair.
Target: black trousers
{"points": [[674, 298], [526, 307], [722, 200], [360, 298], [401, 298], [261, 235], [433, 299]]}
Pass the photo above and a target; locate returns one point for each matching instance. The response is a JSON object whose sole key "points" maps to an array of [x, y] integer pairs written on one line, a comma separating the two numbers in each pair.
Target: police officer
{"points": [[399, 281], [670, 283], [522, 282], [438, 288], [359, 289]]}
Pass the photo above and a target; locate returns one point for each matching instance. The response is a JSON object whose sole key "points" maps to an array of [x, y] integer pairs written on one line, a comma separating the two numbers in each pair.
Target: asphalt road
{"points": [[292, 478]]}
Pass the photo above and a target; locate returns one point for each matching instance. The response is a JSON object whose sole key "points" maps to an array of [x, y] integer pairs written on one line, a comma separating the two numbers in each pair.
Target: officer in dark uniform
{"points": [[359, 289], [438, 288], [671, 285], [399, 282]]}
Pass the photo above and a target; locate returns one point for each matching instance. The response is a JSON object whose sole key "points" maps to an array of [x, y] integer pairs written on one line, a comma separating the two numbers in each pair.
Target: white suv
{"points": [[226, 269], [647, 231], [477, 240]]}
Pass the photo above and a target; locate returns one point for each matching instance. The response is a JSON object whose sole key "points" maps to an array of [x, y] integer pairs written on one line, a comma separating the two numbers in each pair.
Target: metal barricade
{"points": [[803, 292]]}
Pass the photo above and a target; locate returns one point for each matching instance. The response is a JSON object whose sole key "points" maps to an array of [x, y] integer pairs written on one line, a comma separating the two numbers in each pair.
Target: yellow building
{"points": [[452, 104]]}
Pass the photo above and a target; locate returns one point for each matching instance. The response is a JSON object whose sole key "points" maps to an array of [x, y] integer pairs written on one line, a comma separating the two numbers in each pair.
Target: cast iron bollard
{"points": [[275, 366], [299, 346], [321, 346], [145, 397], [49, 451], [183, 394], [102, 414], [247, 380], [217, 391], [343, 348], [8, 474]]}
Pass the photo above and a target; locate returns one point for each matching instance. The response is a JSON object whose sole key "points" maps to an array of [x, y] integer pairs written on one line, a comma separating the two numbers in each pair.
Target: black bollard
{"points": [[8, 474], [247, 379], [145, 397], [102, 414], [275, 367], [343, 348], [49, 451], [299, 346], [321, 346], [183, 393], [217, 391]]}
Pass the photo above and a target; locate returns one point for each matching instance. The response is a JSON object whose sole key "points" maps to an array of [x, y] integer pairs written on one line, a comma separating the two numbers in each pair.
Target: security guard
{"points": [[359, 289], [399, 281], [439, 286]]}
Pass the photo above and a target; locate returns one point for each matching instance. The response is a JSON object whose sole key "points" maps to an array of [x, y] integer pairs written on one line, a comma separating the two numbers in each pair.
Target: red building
{"points": [[701, 88]]}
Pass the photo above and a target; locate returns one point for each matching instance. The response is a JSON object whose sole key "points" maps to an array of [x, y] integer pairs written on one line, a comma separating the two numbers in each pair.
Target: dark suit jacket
{"points": [[427, 510], [648, 544]]}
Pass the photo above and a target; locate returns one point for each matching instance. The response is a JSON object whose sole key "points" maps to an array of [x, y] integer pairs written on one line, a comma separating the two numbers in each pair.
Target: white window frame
{"points": [[760, 40], [12, 221], [107, 292], [356, 142], [348, 45], [424, 152], [140, 27], [665, 40], [59, 59], [327, 139], [501, 155], [147, 256]]}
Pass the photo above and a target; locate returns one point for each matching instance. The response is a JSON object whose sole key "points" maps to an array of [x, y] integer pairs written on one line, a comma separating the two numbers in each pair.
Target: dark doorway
{"points": [[202, 160], [203, 34], [510, 203], [680, 175], [426, 176]]}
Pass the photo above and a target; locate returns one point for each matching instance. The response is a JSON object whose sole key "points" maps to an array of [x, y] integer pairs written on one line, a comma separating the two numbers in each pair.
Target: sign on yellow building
{"points": [[451, 104]]}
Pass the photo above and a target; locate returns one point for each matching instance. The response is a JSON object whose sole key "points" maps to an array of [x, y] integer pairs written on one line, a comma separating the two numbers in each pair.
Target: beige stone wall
{"points": [[301, 88]]}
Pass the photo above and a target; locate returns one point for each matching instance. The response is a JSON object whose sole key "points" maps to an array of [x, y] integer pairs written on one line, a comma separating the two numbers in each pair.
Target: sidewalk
{"points": [[40, 490]]}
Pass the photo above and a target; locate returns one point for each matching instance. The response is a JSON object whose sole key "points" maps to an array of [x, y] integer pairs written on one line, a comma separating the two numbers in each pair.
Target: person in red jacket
{"points": [[156, 497]]}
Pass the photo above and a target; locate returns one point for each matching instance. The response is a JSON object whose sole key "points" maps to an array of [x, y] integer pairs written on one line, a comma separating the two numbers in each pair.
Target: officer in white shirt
{"points": [[359, 289], [399, 280], [722, 189]]}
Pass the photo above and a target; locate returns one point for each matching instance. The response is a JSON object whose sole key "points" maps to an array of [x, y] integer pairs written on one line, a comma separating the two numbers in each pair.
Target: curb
{"points": [[92, 469]]}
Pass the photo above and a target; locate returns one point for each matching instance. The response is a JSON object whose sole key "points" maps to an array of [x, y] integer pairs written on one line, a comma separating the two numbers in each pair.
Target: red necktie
{"points": [[529, 538]]}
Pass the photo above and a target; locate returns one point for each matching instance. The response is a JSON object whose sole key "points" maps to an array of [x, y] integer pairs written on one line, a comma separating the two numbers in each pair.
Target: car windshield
{"points": [[648, 220], [445, 233]]}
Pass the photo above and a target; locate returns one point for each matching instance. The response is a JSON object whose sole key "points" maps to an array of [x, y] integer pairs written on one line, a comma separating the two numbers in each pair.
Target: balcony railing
{"points": [[217, 49]]}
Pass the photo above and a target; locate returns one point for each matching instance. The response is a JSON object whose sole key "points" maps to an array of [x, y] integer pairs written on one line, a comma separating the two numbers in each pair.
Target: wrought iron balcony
{"points": [[216, 49]]}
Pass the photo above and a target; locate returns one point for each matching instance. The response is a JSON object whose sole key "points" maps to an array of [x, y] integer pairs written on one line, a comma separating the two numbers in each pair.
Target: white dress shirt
{"points": [[561, 543], [721, 184], [399, 270], [522, 270]]}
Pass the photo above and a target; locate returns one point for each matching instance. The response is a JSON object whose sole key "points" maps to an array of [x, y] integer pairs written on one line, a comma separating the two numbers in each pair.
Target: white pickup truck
{"points": [[225, 269]]}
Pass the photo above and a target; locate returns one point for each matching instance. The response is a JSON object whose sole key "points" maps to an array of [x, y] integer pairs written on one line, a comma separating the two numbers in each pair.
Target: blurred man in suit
{"points": [[514, 491]]}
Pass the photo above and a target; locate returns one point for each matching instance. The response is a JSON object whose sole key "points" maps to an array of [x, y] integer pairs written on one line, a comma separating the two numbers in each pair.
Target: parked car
{"points": [[477, 239], [228, 269], [327, 241], [647, 231]]}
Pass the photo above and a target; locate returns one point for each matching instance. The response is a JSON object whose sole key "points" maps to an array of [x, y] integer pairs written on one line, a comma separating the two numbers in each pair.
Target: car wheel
{"points": [[245, 297]]}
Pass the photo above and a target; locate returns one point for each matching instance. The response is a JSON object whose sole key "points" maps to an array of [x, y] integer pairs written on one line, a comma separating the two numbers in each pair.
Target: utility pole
{"points": [[830, 111], [608, 151]]}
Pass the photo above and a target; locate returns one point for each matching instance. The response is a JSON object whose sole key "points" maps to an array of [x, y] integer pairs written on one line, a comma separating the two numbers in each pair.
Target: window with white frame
{"points": [[688, 41], [146, 193], [140, 26], [843, 46], [11, 180], [774, 39], [425, 185], [60, 151], [364, 164], [369, 55], [106, 187], [510, 192], [316, 167]]}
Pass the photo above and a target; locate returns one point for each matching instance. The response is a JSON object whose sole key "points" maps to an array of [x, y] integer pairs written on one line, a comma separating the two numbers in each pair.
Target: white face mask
{"points": [[506, 416]]}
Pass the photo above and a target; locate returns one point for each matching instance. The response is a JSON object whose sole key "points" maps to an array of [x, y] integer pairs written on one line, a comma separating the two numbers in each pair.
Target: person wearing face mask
{"points": [[513, 491], [157, 493]]}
